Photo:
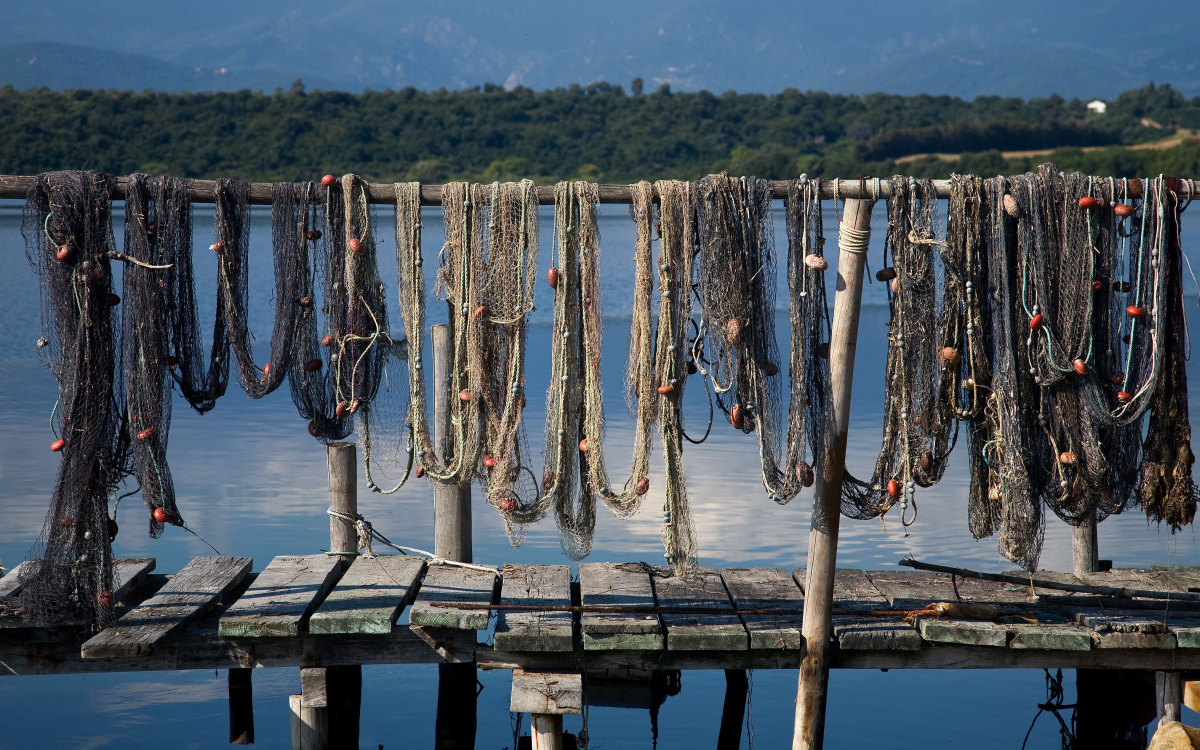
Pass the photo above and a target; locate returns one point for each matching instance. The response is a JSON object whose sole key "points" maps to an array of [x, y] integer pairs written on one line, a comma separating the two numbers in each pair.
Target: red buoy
{"points": [[1090, 203], [312, 365], [1097, 285], [583, 445], [1124, 397], [893, 488], [217, 247], [885, 274], [306, 302], [464, 395], [342, 410], [804, 474], [327, 340], [733, 331], [161, 515], [354, 245], [507, 504], [1134, 311], [552, 277], [63, 253], [736, 416], [926, 461], [951, 355], [266, 369], [312, 429], [1081, 367], [104, 599], [145, 434], [313, 235], [328, 180], [113, 299], [488, 461], [665, 389], [1066, 457], [1124, 209], [58, 445], [642, 486], [1035, 323], [480, 311], [420, 471]]}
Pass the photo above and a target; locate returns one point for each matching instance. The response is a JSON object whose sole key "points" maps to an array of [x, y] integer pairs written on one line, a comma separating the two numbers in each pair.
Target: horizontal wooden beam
{"points": [[16, 186]]}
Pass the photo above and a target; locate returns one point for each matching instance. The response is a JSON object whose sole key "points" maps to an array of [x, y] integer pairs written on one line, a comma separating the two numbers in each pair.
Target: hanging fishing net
{"points": [[67, 226]]}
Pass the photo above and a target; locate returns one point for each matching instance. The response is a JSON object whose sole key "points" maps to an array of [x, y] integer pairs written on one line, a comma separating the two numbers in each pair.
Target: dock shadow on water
{"points": [[254, 484]]}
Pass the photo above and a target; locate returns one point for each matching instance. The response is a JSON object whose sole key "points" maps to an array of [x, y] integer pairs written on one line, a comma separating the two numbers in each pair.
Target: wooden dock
{"points": [[304, 611]]}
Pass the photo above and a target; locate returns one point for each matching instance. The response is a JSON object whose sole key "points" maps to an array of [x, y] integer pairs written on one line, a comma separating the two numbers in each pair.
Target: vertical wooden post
{"points": [[1085, 553], [241, 707], [343, 498], [809, 732], [546, 731], [451, 503], [733, 713], [1168, 691], [310, 731]]}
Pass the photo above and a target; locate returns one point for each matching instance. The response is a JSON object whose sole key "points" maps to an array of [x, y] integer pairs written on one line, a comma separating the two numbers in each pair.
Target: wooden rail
{"points": [[16, 186]]}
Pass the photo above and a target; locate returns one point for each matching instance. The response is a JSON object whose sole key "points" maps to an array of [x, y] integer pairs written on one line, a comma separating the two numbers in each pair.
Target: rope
{"points": [[367, 533], [852, 240]]}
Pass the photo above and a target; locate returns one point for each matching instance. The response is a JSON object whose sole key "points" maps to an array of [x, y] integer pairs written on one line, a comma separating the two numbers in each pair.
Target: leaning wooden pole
{"points": [[853, 235]]}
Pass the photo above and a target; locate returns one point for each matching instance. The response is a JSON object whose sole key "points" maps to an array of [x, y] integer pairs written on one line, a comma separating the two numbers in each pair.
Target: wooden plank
{"points": [[193, 591], [1045, 637], [1134, 578], [852, 591], [699, 632], [10, 583], [1186, 629], [912, 589], [874, 634], [1185, 577], [546, 693], [129, 574], [370, 597], [451, 583], [1125, 629], [979, 591], [962, 632], [281, 599], [623, 584], [768, 588], [534, 631], [314, 687]]}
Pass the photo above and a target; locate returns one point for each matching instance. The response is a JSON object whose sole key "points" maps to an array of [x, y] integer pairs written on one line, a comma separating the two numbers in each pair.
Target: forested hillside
{"points": [[597, 132]]}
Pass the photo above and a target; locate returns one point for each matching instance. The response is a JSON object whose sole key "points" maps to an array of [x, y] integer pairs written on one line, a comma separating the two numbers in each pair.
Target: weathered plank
{"points": [[852, 591], [699, 632], [1186, 577], [622, 584], [546, 692], [979, 591], [1045, 637], [450, 583], [1125, 629], [193, 591], [369, 597], [874, 634], [912, 589], [1134, 578], [768, 588], [534, 631], [962, 632], [129, 574], [10, 583], [281, 599], [1186, 629]]}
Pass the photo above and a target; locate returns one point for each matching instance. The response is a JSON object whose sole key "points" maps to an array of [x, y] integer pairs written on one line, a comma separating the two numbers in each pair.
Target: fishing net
{"points": [[67, 226]]}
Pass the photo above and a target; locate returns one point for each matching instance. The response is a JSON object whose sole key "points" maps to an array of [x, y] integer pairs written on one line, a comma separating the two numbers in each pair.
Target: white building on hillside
{"points": [[1097, 106]]}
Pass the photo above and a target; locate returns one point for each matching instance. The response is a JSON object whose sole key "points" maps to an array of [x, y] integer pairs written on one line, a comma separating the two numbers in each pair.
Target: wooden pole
{"points": [[813, 689], [309, 728], [241, 707], [343, 498], [1085, 553], [733, 713], [546, 731], [1168, 690], [451, 503]]}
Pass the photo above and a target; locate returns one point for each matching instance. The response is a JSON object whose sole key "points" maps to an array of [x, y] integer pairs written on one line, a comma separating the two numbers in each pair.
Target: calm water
{"points": [[252, 482]]}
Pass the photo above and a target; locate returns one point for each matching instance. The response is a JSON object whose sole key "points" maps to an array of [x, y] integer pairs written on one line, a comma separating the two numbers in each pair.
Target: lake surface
{"points": [[252, 482]]}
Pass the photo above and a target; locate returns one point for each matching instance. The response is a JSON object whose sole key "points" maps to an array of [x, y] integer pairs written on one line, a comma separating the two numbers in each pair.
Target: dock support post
{"points": [[241, 707], [451, 503], [1168, 691], [546, 696], [343, 498], [853, 236], [733, 713], [310, 730], [1085, 554], [546, 731]]}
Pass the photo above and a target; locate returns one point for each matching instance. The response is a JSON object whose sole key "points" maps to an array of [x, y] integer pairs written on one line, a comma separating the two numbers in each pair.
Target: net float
{"points": [[1066, 457], [552, 277], [1125, 338], [267, 369], [312, 429], [464, 395], [926, 461], [488, 461], [733, 331], [736, 417], [895, 286], [893, 488], [548, 480], [145, 434], [583, 445], [58, 445], [217, 247], [1081, 367], [1124, 209], [823, 350], [327, 339], [312, 365], [104, 599], [507, 504], [313, 235], [1116, 378], [1134, 311], [112, 529], [951, 355], [113, 299], [480, 311], [1090, 203], [328, 180], [355, 405], [804, 474], [342, 410], [1036, 322], [771, 369], [691, 367], [64, 522], [816, 262], [161, 515], [172, 361], [665, 389], [306, 302], [355, 245], [642, 486], [1010, 206], [63, 252], [885, 274], [1124, 397], [1122, 286], [1097, 285], [420, 472], [658, 228], [994, 492]]}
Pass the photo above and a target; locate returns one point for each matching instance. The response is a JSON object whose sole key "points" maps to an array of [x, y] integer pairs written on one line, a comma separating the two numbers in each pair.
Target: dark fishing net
{"points": [[67, 226]]}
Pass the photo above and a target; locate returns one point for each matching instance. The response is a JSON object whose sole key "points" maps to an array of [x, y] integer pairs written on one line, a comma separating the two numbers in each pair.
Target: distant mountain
{"points": [[1027, 48]]}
